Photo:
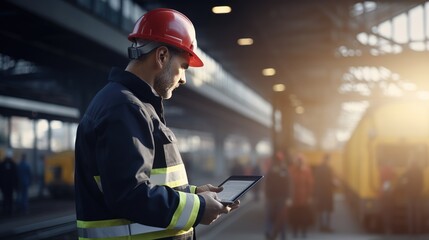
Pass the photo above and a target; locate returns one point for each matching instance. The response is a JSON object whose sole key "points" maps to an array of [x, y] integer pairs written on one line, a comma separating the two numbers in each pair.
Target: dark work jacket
{"points": [[129, 176]]}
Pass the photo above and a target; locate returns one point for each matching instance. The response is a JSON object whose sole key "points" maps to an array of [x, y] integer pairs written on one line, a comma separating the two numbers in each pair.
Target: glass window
{"points": [[22, 134], [63, 136], [398, 154], [416, 23], [400, 29]]}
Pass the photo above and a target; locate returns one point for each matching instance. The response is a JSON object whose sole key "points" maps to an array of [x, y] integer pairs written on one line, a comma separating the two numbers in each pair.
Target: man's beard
{"points": [[163, 81]]}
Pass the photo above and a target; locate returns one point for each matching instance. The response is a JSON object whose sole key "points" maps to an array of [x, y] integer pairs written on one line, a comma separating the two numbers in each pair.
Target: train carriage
{"points": [[388, 134]]}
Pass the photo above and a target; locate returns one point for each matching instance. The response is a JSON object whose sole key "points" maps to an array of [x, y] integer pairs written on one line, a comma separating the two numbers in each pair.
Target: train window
{"points": [[399, 154]]}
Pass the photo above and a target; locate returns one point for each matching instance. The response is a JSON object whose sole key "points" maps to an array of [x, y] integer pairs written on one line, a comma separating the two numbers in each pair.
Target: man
{"points": [[324, 193], [130, 180], [276, 196], [413, 180]]}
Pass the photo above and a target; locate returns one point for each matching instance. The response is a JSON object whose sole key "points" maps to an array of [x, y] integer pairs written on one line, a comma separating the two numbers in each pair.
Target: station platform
{"points": [[47, 217], [248, 223]]}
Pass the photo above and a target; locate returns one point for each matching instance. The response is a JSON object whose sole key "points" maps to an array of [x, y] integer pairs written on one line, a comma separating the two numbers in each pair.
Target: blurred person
{"points": [[41, 176], [324, 191], [413, 180], [130, 179], [24, 176], [301, 196], [387, 177], [8, 181], [276, 195]]}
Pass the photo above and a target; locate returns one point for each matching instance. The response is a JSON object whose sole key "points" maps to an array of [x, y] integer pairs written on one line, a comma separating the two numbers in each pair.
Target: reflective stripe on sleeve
{"points": [[186, 212], [122, 229], [193, 189], [171, 176]]}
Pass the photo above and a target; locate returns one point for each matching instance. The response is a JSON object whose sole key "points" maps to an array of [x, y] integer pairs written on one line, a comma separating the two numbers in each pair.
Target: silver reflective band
{"points": [[136, 228], [104, 232], [117, 231], [186, 213]]}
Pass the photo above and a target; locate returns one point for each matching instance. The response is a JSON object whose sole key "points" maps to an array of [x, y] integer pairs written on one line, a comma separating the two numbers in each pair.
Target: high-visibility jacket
{"points": [[129, 176]]}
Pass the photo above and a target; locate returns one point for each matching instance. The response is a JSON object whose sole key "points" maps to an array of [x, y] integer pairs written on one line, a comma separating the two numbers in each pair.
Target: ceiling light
{"points": [[245, 41], [221, 9], [269, 72], [299, 110], [279, 87]]}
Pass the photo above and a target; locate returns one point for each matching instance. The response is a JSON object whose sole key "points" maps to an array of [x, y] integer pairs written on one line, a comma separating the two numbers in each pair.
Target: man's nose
{"points": [[183, 78]]}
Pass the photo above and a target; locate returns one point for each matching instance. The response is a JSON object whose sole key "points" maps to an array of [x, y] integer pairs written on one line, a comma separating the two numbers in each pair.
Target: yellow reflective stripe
{"points": [[173, 176], [102, 223], [194, 212], [186, 213], [110, 238], [98, 181], [177, 183], [179, 209], [193, 189], [175, 168], [156, 235]]}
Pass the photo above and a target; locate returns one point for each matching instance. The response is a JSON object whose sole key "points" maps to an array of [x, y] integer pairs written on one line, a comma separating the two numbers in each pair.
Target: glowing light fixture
{"points": [[245, 41], [221, 9], [299, 110], [279, 87], [269, 72]]}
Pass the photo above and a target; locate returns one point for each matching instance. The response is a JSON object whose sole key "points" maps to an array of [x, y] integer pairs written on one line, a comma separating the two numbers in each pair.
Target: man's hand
{"points": [[208, 187], [213, 207], [234, 206]]}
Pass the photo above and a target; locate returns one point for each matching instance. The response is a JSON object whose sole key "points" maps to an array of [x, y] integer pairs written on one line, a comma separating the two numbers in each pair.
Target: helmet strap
{"points": [[136, 52]]}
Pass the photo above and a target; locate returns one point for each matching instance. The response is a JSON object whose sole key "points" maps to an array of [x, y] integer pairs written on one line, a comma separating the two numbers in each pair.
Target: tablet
{"points": [[236, 186]]}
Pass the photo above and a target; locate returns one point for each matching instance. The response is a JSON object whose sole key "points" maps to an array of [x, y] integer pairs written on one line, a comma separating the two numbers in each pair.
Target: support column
{"points": [[254, 158], [287, 132], [274, 119], [35, 146], [9, 132], [49, 137], [221, 167]]}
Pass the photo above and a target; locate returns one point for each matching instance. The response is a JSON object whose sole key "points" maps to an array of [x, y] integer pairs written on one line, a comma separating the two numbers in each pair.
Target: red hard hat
{"points": [[168, 26]]}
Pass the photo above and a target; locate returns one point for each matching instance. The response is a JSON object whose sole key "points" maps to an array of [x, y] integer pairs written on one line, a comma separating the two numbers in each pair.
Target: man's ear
{"points": [[162, 56]]}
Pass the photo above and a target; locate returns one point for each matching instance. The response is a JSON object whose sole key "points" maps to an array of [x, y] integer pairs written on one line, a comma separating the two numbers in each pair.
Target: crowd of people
{"points": [[293, 192], [410, 184], [299, 196]]}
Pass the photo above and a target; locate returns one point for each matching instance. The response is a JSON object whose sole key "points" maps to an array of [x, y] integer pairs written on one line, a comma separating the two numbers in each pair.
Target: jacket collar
{"points": [[139, 88]]}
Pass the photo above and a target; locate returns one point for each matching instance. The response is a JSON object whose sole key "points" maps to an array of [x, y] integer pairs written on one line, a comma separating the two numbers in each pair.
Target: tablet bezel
{"points": [[253, 179]]}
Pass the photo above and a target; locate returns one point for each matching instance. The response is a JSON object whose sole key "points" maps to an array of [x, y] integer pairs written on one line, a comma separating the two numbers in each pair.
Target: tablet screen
{"points": [[235, 186]]}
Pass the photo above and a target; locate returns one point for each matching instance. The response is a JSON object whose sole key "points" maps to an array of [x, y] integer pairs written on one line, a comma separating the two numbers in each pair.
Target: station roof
{"points": [[327, 55]]}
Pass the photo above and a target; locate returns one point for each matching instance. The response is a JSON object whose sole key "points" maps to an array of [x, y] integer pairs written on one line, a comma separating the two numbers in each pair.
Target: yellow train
{"points": [[387, 134], [59, 174]]}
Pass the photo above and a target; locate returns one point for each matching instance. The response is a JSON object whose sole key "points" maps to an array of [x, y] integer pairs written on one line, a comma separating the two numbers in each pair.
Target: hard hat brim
{"points": [[195, 61]]}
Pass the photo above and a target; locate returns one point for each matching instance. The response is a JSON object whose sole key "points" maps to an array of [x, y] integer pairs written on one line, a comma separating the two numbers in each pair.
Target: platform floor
{"points": [[245, 223]]}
